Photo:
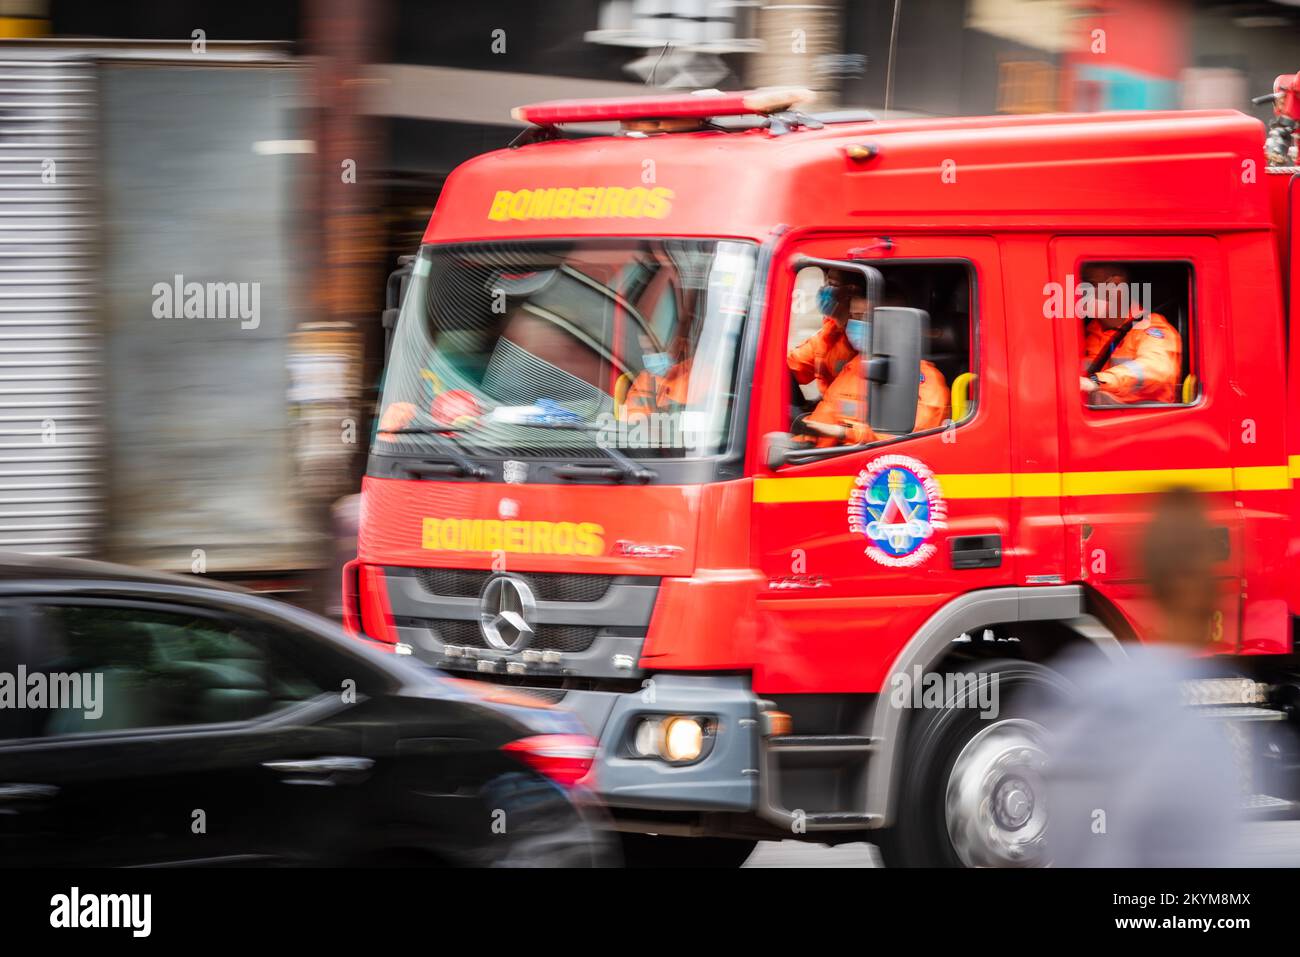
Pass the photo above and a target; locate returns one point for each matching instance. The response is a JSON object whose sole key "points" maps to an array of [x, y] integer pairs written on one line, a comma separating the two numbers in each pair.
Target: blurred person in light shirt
{"points": [[1135, 778]]}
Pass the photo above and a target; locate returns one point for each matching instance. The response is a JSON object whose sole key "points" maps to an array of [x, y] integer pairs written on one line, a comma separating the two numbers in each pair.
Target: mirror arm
{"points": [[876, 369], [779, 446]]}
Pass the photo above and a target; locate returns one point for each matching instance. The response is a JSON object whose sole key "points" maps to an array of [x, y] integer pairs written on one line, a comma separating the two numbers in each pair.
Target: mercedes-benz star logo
{"points": [[504, 610]]}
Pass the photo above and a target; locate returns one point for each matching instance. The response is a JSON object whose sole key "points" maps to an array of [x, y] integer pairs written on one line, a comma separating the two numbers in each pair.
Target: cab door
{"points": [[860, 547], [1116, 458]]}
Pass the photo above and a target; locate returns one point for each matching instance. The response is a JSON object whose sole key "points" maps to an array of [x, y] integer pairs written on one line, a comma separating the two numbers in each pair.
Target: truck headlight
{"points": [[646, 740], [675, 738], [683, 739]]}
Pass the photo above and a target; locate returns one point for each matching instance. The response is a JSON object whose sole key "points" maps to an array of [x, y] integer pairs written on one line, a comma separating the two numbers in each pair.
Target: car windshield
{"points": [[550, 348]]}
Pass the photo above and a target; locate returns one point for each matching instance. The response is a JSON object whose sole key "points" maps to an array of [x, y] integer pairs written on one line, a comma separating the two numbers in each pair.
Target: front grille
{"points": [[565, 638], [546, 586], [454, 631], [549, 695]]}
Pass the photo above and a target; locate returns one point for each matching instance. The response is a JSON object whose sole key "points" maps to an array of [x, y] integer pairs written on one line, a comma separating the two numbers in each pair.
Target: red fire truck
{"points": [[594, 478]]}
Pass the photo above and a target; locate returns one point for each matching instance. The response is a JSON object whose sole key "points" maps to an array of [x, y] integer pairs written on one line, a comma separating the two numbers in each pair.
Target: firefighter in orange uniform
{"points": [[841, 416], [824, 354], [662, 384], [1128, 355]]}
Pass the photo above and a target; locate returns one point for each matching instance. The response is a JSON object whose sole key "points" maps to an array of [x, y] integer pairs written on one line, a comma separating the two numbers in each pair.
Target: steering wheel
{"points": [[797, 426]]}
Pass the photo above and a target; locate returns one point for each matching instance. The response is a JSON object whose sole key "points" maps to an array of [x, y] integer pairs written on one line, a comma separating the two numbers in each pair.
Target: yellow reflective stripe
{"points": [[830, 488], [1036, 484], [989, 485], [1146, 480], [1261, 478], [1254, 478]]}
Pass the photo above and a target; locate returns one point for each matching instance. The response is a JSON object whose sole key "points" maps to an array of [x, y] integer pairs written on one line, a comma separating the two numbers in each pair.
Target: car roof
{"points": [[21, 566]]}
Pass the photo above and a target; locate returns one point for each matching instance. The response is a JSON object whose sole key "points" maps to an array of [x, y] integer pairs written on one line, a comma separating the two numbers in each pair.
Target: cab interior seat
{"points": [[944, 350]]}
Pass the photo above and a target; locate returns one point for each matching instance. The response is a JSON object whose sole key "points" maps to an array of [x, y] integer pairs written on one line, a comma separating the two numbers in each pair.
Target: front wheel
{"points": [[971, 789], [657, 850]]}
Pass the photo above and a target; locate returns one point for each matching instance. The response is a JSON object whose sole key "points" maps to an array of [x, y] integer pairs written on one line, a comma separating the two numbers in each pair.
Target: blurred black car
{"points": [[156, 719]]}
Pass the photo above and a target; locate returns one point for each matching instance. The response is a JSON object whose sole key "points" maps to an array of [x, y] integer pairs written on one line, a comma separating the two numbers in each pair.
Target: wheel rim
{"points": [[995, 803]]}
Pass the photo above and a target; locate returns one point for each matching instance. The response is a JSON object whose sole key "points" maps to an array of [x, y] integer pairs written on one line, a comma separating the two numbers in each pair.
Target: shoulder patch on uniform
{"points": [[1156, 333]]}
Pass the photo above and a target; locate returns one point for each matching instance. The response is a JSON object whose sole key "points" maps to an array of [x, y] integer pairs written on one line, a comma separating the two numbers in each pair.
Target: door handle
{"points": [[976, 551], [333, 765], [1222, 543], [26, 792]]}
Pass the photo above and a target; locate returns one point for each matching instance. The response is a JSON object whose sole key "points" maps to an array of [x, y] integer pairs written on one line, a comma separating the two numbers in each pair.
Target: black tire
{"points": [[659, 850], [935, 737]]}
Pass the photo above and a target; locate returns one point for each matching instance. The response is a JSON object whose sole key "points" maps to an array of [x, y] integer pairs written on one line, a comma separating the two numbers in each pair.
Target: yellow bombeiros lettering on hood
{"points": [[509, 535], [582, 202]]}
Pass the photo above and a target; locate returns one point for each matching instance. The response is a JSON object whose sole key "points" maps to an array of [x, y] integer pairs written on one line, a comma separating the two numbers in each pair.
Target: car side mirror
{"points": [[893, 368], [777, 447]]}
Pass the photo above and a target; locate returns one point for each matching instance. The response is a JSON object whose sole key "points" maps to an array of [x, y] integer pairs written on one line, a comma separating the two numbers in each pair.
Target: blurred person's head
{"points": [[1109, 282], [837, 292], [1179, 555]]}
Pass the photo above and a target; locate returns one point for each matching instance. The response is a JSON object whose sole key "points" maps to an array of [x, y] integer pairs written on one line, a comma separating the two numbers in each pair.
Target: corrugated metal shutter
{"points": [[49, 348]]}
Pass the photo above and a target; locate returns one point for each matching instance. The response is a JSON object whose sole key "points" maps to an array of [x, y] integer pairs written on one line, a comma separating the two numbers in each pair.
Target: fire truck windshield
{"points": [[550, 348]]}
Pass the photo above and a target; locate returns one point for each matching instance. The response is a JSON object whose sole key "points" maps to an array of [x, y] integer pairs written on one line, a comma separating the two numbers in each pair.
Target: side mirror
{"points": [[893, 369], [394, 293], [777, 447]]}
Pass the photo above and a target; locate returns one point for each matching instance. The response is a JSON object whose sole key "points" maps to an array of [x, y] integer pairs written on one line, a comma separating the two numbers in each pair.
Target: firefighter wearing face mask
{"points": [[664, 383], [841, 416], [823, 355]]}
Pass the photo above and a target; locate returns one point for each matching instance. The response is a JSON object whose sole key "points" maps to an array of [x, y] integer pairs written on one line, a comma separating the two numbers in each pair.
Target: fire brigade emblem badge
{"points": [[897, 505]]}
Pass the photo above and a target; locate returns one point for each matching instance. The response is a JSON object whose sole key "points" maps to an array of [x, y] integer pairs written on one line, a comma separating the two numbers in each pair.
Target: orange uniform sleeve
{"points": [[642, 396], [1146, 367], [933, 400], [808, 358]]}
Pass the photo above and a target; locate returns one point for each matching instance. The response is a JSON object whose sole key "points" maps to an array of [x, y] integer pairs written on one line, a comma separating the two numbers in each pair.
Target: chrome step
{"points": [[1238, 713], [839, 820], [822, 744], [1255, 806]]}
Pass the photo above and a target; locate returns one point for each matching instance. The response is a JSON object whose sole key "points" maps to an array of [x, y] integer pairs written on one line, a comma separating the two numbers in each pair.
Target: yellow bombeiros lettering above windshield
{"points": [[582, 202], [521, 537]]}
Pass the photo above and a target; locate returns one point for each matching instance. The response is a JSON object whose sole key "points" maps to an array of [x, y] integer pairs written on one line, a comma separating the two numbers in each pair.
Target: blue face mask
{"points": [[657, 363], [855, 330], [826, 300]]}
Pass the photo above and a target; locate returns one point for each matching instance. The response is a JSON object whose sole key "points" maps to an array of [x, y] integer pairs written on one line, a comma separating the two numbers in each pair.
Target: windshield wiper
{"points": [[460, 462], [627, 468]]}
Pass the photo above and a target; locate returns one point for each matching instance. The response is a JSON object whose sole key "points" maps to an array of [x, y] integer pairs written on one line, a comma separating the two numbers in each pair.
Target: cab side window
{"points": [[828, 393], [1137, 333]]}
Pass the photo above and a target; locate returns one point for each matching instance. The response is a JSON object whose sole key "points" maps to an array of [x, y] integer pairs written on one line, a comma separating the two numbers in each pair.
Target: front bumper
{"points": [[725, 778], [590, 631]]}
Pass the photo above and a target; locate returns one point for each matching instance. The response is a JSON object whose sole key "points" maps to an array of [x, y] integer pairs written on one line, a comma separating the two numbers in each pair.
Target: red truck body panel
{"points": [[1024, 201]]}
